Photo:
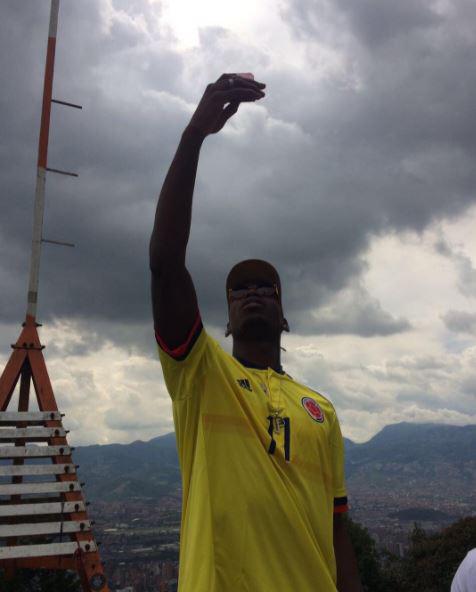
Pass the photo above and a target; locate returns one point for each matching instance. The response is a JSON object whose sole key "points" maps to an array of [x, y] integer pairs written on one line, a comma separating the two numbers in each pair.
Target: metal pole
{"points": [[42, 165]]}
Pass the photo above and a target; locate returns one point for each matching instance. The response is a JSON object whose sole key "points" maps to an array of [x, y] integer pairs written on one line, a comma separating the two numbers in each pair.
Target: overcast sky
{"points": [[355, 176]]}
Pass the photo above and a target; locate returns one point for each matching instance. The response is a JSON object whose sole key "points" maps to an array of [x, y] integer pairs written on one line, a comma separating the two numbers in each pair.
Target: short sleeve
{"points": [[183, 367], [337, 452]]}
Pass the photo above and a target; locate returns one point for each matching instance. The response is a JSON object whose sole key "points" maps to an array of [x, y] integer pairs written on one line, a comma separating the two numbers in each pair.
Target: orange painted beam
{"points": [[41, 380], [9, 377]]}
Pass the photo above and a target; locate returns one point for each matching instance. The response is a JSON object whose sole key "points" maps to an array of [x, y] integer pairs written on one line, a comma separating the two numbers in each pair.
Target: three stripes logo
{"points": [[244, 383]]}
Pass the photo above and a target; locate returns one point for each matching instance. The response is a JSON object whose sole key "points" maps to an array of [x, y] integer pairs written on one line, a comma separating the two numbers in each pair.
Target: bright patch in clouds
{"points": [[186, 17], [258, 24]]}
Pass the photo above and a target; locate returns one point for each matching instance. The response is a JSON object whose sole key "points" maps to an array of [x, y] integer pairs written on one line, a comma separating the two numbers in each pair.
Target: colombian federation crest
{"points": [[313, 409]]}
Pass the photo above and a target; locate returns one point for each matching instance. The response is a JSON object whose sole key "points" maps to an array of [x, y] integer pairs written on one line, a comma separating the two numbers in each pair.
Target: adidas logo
{"points": [[244, 383]]}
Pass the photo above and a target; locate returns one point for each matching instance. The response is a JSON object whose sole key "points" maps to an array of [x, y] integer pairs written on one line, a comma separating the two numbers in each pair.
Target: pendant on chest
{"points": [[275, 424]]}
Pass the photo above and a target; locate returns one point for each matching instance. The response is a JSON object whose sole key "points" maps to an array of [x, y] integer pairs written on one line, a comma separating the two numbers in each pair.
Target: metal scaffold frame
{"points": [[43, 514]]}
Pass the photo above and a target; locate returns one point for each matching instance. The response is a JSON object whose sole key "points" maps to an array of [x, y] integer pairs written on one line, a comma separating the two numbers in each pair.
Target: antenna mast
{"points": [[53, 532], [42, 166]]}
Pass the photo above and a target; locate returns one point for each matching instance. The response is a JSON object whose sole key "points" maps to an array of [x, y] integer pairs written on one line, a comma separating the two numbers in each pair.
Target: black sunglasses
{"points": [[241, 293]]}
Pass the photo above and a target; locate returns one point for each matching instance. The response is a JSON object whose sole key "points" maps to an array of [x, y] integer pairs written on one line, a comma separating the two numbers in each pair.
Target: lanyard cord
{"points": [[287, 435], [287, 438], [272, 446]]}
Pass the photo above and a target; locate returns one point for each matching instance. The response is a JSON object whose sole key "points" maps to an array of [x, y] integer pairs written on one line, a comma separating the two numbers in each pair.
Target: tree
{"points": [[368, 558], [429, 565], [41, 580], [432, 560]]}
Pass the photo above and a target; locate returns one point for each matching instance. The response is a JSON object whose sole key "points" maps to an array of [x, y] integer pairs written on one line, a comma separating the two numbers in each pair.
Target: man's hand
{"points": [[211, 113]]}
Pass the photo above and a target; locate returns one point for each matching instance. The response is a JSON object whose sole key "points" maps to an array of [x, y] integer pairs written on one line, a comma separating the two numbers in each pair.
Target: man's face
{"points": [[254, 316]]}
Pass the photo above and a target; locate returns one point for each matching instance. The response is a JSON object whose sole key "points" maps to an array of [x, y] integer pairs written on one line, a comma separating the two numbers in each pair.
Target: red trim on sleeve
{"points": [[340, 505], [181, 350]]}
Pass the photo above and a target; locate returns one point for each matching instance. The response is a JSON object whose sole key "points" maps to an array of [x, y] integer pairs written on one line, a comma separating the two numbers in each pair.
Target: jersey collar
{"points": [[249, 364]]}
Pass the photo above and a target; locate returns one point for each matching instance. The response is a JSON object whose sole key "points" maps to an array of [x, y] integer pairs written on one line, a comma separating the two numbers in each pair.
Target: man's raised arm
{"points": [[173, 295]]}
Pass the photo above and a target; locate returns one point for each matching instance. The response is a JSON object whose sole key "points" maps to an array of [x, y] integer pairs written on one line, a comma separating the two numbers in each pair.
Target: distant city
{"points": [[140, 543], [406, 474]]}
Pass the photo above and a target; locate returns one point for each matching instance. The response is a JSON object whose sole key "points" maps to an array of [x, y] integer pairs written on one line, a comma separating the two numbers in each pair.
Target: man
{"points": [[465, 576], [261, 455]]}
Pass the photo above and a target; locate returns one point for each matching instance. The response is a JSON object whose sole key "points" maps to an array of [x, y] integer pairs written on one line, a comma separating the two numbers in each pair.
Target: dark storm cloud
{"points": [[402, 127], [373, 23], [358, 314], [460, 321], [386, 143]]}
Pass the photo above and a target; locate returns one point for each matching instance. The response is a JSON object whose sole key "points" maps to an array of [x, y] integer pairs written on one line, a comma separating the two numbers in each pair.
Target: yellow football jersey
{"points": [[262, 464]]}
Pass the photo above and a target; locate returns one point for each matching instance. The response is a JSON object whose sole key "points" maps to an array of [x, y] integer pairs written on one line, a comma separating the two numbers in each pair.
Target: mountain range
{"points": [[420, 456]]}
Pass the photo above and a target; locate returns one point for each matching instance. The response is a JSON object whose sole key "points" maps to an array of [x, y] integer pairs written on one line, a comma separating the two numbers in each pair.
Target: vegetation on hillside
{"points": [[40, 580], [429, 565]]}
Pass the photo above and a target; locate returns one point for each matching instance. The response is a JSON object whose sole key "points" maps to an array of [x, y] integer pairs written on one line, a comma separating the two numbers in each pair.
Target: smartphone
{"points": [[247, 75]]}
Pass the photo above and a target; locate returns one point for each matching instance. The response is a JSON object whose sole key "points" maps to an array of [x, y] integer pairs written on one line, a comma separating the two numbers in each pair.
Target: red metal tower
{"points": [[43, 516]]}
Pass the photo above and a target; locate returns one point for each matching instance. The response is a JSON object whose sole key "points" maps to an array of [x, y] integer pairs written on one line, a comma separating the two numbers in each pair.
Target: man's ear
{"points": [[285, 325], [227, 330]]}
